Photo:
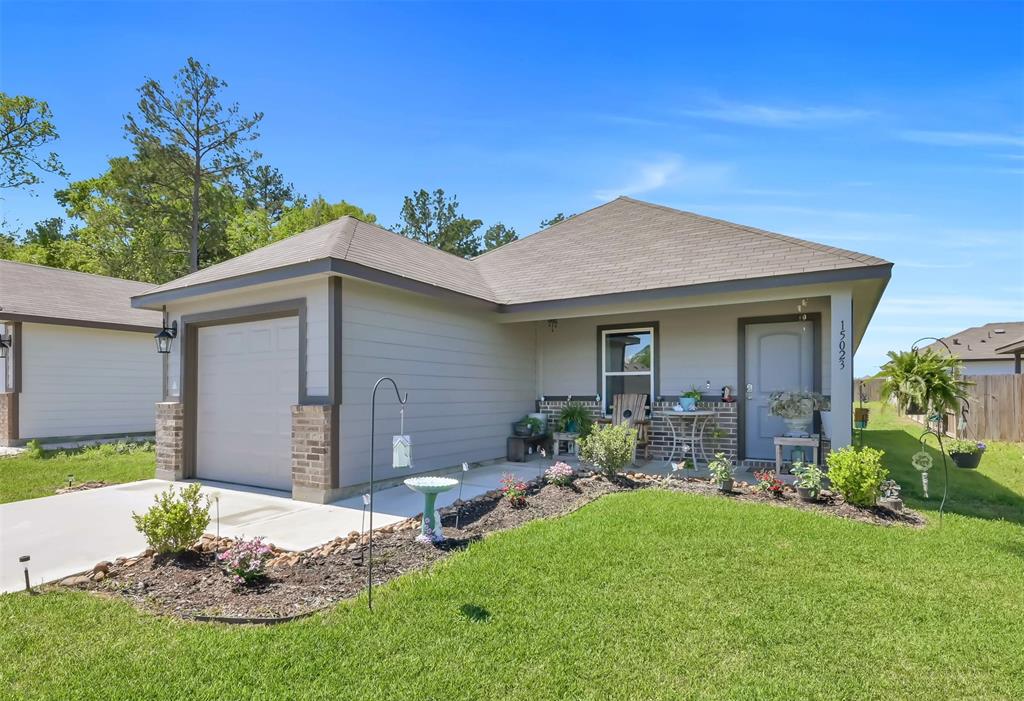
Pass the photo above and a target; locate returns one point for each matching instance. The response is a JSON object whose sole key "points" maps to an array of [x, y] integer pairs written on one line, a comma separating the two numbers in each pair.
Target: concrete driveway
{"points": [[70, 533]]}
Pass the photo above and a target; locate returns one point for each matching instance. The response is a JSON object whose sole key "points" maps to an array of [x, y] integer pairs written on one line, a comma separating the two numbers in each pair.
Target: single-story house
{"points": [[276, 352], [986, 350], [78, 360]]}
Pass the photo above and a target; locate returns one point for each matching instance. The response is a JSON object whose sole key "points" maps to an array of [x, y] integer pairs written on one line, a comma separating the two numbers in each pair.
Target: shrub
{"points": [[808, 476], [560, 474], [609, 448], [959, 445], [175, 521], [857, 474], [721, 468], [514, 490], [34, 450], [768, 483], [246, 560]]}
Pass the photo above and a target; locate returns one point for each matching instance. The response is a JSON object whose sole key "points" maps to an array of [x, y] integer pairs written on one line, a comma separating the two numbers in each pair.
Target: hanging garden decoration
{"points": [[922, 462]]}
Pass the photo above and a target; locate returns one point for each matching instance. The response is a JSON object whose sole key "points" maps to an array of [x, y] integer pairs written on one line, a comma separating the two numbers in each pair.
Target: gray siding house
{"points": [[268, 380]]}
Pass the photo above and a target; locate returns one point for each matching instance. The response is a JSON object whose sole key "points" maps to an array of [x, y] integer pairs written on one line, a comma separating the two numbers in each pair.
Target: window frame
{"points": [[603, 373]]}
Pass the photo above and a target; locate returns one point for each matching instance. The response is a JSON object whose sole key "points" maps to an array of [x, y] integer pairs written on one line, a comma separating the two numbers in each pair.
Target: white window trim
{"points": [[605, 374]]}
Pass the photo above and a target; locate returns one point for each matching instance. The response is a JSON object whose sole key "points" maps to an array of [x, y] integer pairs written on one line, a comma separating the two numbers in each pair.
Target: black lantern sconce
{"points": [[164, 338], [5, 344]]}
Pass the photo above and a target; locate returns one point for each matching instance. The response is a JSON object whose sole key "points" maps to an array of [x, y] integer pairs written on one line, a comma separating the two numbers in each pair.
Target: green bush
{"points": [[857, 474], [175, 521], [609, 448], [34, 450]]}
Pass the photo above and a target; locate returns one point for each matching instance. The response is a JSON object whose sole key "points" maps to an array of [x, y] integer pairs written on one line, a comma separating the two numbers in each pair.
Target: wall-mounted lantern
{"points": [[5, 344], [164, 338]]}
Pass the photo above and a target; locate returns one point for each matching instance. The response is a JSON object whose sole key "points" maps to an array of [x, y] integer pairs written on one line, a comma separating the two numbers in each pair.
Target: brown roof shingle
{"points": [[38, 291], [983, 342]]}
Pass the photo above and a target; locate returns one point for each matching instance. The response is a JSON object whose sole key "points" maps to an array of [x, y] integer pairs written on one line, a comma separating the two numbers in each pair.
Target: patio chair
{"points": [[632, 409]]}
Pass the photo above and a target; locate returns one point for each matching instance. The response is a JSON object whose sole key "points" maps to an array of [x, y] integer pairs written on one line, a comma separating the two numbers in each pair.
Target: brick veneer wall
{"points": [[8, 418], [723, 423], [313, 477], [170, 436]]}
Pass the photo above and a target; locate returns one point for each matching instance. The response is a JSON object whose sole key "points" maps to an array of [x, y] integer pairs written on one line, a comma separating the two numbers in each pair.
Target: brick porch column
{"points": [[315, 453], [170, 434], [8, 418]]}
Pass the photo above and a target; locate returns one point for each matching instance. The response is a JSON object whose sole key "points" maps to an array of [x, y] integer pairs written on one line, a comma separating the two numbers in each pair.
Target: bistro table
{"points": [[698, 421]]}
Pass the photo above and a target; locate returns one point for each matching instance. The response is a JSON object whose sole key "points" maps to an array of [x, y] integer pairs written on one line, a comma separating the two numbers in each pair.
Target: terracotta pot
{"points": [[968, 461]]}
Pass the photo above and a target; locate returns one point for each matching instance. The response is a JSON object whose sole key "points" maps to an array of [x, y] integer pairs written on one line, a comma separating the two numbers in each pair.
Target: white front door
{"points": [[779, 357], [248, 381]]}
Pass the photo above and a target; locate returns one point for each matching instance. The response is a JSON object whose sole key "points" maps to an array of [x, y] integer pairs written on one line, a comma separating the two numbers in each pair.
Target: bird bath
{"points": [[430, 487]]}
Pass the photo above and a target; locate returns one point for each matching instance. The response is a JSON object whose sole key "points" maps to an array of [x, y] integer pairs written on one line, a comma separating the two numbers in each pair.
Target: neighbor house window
{"points": [[627, 363]]}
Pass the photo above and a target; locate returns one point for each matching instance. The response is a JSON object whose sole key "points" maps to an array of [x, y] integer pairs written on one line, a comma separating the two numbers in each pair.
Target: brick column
{"points": [[8, 418], [170, 434], [314, 453]]}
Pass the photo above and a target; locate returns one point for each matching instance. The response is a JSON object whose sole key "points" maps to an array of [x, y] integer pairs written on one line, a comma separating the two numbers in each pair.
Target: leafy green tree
{"points": [[26, 126], [203, 141], [434, 219], [263, 187], [498, 235], [557, 219], [255, 228]]}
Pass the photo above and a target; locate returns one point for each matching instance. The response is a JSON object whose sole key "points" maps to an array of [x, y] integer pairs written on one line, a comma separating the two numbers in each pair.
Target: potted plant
{"points": [[808, 480], [522, 428], [688, 399], [964, 453], [721, 469], [890, 496], [923, 381], [795, 408], [575, 418]]}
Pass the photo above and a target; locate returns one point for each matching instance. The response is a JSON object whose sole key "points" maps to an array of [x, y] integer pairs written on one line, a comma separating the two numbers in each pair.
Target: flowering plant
{"points": [[246, 560], [794, 405], [560, 474], [768, 483], [720, 468], [514, 490], [808, 476], [959, 445]]}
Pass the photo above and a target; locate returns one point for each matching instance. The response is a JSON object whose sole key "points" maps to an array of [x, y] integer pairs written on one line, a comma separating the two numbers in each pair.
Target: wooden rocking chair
{"points": [[632, 409]]}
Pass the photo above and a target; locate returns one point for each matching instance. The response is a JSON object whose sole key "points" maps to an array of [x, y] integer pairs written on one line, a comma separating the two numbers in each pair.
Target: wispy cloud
{"points": [[778, 116], [666, 171], [961, 138]]}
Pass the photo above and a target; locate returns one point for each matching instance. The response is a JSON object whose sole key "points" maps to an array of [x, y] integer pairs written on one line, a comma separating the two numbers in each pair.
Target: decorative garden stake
{"points": [[25, 559], [373, 427], [458, 506], [922, 462]]}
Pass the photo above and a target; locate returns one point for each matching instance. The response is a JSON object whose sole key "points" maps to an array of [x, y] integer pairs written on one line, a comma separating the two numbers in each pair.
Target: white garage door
{"points": [[248, 381]]}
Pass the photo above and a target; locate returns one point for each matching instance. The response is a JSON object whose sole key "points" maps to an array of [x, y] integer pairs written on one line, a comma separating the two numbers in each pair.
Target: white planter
{"points": [[798, 427], [826, 423]]}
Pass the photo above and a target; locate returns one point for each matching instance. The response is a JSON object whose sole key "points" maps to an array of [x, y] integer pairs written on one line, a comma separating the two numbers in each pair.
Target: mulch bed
{"points": [[193, 585]]}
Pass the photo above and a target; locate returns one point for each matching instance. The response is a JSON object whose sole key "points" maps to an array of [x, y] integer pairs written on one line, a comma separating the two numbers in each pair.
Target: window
{"points": [[627, 363]]}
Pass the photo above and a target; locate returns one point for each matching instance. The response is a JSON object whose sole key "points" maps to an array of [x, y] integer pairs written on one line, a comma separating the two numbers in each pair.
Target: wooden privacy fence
{"points": [[996, 408]]}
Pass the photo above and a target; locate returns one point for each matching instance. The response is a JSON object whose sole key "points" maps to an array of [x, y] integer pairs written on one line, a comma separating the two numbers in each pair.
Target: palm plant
{"points": [[923, 381]]}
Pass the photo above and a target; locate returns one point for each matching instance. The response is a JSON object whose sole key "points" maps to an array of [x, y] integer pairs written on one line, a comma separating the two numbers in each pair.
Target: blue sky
{"points": [[891, 129]]}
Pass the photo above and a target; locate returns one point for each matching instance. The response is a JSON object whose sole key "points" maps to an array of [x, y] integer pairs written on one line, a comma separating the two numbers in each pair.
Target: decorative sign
{"points": [[401, 451], [842, 344]]}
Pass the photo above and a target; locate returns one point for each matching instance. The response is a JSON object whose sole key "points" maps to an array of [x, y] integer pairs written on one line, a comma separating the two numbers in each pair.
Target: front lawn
{"points": [[646, 594], [23, 477]]}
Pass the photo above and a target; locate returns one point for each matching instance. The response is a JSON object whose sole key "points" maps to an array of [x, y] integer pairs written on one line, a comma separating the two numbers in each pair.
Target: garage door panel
{"points": [[248, 382]]}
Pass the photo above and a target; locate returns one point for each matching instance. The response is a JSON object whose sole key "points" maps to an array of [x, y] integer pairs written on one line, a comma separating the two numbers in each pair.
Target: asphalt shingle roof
{"points": [[623, 246], [41, 291], [983, 342]]}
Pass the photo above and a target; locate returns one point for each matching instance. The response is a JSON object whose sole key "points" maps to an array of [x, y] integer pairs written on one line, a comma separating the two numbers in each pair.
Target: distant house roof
{"points": [[624, 246], [51, 295], [983, 342], [1015, 346]]}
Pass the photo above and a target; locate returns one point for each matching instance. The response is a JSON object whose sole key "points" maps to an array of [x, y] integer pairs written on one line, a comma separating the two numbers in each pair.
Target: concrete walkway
{"points": [[70, 533]]}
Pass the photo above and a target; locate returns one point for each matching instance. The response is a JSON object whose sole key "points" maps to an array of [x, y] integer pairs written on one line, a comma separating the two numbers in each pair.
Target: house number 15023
{"points": [[842, 344]]}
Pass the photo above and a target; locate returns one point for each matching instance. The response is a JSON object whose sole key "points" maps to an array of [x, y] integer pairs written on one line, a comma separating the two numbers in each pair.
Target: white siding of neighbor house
{"points": [[467, 376], [314, 290], [81, 381], [989, 367], [696, 345]]}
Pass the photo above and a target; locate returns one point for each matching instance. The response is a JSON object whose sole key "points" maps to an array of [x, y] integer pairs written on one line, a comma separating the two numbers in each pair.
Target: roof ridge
{"points": [[76, 272], [546, 229], [804, 243]]}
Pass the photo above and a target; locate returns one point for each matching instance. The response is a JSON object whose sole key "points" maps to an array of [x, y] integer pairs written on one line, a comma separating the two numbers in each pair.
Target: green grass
{"points": [[22, 477], [642, 595]]}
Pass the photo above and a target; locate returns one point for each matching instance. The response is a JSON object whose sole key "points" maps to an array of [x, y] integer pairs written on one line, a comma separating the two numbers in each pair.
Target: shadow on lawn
{"points": [[971, 492]]}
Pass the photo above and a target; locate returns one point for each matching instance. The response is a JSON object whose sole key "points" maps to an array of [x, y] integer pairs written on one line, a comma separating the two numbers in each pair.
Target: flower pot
{"points": [[968, 461], [826, 423], [521, 429], [807, 494], [797, 427], [726, 485], [688, 403]]}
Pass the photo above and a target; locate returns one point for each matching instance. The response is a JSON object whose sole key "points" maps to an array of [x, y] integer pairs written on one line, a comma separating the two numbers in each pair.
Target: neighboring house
{"points": [[80, 361], [988, 349], [277, 351]]}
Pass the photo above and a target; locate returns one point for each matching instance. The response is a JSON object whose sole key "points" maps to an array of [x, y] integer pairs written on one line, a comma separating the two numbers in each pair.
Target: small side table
{"points": [[569, 438], [812, 442]]}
